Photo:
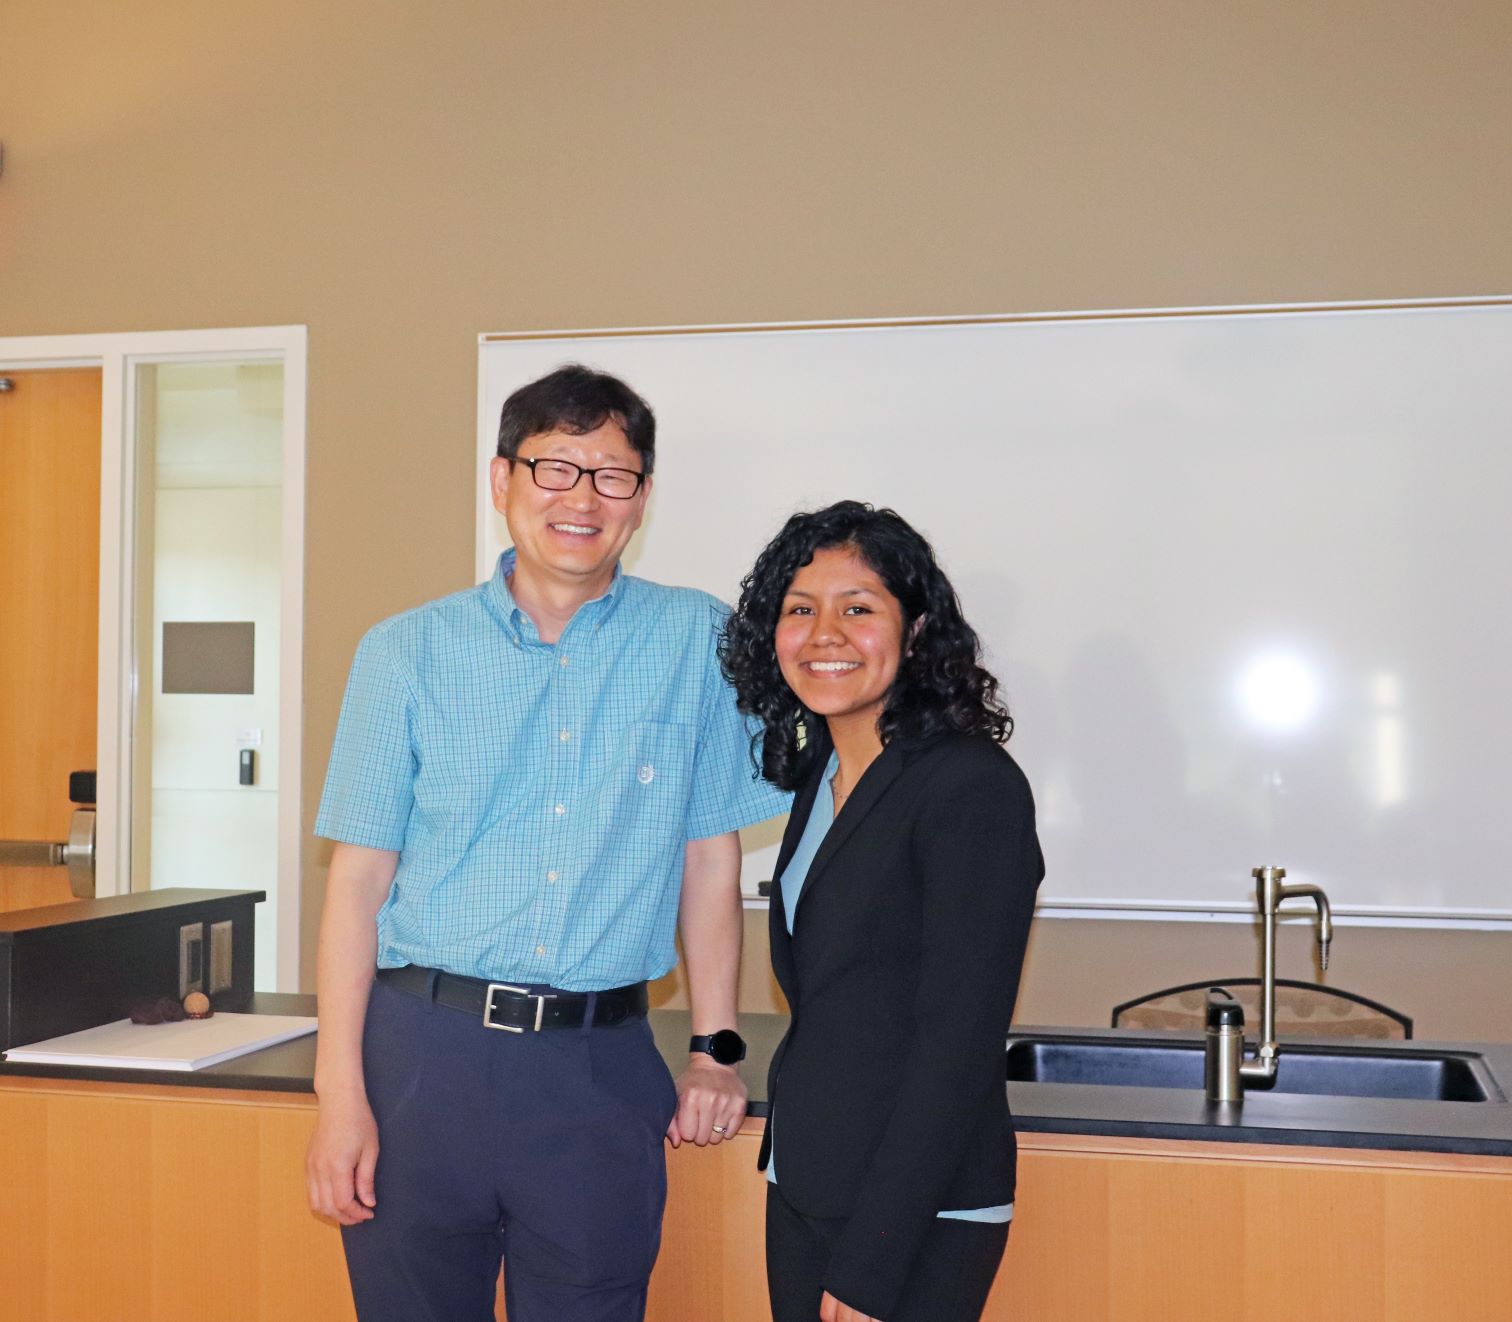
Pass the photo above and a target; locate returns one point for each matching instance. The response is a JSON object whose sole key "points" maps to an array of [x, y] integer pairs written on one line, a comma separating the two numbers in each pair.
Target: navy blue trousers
{"points": [[543, 1149]]}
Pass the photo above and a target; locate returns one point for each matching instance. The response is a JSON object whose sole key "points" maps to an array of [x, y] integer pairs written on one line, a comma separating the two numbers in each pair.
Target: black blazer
{"points": [[888, 1092]]}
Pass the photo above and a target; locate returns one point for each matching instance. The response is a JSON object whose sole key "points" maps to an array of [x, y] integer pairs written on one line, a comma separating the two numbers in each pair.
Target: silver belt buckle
{"points": [[488, 1007]]}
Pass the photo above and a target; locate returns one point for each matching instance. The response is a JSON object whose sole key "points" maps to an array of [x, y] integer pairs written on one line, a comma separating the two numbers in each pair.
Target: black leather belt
{"points": [[517, 1009]]}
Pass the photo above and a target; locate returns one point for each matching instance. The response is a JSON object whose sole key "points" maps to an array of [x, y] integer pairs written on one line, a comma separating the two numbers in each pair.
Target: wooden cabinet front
{"points": [[126, 1203]]}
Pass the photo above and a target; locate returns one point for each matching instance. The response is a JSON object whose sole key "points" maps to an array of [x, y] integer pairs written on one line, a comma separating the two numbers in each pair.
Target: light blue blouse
{"points": [[821, 818]]}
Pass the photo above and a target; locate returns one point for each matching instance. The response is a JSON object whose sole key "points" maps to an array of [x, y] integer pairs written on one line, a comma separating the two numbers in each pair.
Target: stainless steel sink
{"points": [[1405, 1073]]}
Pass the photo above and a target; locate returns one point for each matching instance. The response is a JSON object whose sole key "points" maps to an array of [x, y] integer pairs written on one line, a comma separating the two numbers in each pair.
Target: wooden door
{"points": [[49, 611]]}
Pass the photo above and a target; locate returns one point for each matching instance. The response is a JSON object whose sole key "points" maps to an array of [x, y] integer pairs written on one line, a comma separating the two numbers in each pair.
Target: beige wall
{"points": [[400, 177], [1455, 985]]}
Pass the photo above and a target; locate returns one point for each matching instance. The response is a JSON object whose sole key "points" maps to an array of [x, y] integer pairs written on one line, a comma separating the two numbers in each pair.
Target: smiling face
{"points": [[569, 538], [839, 639]]}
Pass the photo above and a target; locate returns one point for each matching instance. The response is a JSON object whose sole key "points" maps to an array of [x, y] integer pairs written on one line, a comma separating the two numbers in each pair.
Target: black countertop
{"points": [[287, 1067], [1476, 1128]]}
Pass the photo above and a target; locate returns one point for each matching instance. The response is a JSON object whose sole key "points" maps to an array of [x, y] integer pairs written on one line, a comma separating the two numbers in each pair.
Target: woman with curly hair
{"points": [[904, 891]]}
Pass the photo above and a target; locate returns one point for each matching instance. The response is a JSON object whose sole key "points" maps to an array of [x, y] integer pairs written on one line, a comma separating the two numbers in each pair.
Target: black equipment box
{"points": [[67, 967]]}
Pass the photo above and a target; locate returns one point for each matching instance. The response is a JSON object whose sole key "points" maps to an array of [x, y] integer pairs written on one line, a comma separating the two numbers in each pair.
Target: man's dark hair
{"points": [[940, 685], [577, 400]]}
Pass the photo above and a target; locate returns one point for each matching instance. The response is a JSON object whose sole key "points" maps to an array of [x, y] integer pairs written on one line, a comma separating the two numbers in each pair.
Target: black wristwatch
{"points": [[726, 1046]]}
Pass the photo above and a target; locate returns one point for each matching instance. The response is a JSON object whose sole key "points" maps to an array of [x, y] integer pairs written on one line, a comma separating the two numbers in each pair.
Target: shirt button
{"points": [[560, 809], [564, 735], [540, 950], [646, 774], [551, 876], [562, 661]]}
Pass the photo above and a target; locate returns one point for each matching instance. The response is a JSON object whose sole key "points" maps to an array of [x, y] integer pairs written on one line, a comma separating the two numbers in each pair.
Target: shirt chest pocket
{"points": [[649, 778]]}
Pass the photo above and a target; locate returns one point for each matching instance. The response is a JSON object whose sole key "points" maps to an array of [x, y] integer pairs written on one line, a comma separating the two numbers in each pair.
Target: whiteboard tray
{"points": [[190, 1044]]}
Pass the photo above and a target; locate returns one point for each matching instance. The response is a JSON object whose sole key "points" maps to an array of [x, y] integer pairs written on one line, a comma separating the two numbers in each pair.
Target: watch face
{"points": [[727, 1047]]}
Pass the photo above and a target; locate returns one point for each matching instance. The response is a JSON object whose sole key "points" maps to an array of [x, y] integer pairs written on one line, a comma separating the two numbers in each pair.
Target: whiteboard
{"points": [[1243, 574]]}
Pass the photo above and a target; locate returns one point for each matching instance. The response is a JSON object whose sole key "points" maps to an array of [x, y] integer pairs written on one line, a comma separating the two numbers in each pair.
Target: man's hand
{"points": [[832, 1310], [341, 1159], [711, 1103], [344, 1151]]}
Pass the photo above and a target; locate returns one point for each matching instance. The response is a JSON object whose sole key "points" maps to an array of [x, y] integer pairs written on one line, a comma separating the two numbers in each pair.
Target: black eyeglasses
{"points": [[559, 475]]}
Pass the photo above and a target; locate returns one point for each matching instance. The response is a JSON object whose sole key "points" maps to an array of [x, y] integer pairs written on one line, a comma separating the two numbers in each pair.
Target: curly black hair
{"points": [[941, 684]]}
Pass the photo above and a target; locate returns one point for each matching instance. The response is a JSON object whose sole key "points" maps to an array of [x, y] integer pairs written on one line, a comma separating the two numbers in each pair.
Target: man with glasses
{"points": [[532, 783]]}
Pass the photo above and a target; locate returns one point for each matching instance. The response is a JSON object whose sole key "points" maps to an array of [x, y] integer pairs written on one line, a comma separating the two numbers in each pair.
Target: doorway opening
{"points": [[197, 515]]}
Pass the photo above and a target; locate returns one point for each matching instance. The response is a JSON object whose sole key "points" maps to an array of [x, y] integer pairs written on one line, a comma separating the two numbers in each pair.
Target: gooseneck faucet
{"points": [[1224, 1081]]}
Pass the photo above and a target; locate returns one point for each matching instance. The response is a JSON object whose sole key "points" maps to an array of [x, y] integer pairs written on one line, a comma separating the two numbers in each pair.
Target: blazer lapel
{"points": [[798, 815], [875, 783]]}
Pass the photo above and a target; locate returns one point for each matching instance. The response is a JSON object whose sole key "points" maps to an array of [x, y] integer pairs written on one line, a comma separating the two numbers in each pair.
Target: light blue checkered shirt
{"points": [[540, 795]]}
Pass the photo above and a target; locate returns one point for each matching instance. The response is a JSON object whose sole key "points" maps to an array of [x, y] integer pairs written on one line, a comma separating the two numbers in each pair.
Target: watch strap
{"points": [[705, 1042]]}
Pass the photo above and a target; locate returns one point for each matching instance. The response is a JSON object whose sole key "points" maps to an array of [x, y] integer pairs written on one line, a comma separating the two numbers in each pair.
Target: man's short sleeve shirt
{"points": [[540, 795]]}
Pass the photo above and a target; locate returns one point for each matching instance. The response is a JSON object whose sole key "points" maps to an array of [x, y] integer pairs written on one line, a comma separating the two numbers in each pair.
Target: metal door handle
{"points": [[77, 854], [30, 854]]}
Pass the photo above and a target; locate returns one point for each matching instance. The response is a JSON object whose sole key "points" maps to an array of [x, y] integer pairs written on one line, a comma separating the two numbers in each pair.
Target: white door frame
{"points": [[117, 355]]}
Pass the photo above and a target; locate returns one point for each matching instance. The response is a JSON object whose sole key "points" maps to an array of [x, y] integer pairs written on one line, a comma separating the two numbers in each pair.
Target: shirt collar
{"points": [[522, 626]]}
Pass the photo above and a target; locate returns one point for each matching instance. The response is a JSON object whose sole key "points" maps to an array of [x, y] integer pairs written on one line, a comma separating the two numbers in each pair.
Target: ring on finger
{"points": [[720, 1129]]}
